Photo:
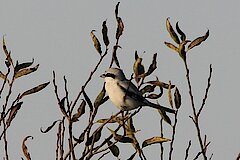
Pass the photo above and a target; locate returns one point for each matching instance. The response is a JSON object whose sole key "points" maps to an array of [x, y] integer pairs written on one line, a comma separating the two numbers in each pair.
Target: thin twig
{"points": [[71, 140], [120, 125], [206, 92], [67, 95], [62, 140], [161, 144], [5, 140], [104, 154], [84, 152], [5, 127], [4, 82], [9, 109], [104, 149], [89, 79], [195, 119], [55, 87], [173, 135], [187, 150], [190, 89], [199, 153], [58, 140]]}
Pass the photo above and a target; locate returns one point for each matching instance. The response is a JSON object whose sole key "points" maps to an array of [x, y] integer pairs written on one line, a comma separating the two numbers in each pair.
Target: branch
{"points": [[190, 89], [206, 92], [195, 118], [161, 144], [173, 135], [187, 150], [89, 79]]}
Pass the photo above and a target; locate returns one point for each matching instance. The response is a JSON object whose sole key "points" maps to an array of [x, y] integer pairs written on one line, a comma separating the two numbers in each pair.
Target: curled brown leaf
{"points": [[50, 127], [25, 149]]}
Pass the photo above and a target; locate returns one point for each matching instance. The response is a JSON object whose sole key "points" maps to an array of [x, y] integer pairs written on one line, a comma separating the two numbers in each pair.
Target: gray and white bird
{"points": [[124, 94]]}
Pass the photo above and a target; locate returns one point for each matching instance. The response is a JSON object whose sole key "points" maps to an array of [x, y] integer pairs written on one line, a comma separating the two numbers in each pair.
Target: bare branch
{"points": [[206, 92], [187, 150]]}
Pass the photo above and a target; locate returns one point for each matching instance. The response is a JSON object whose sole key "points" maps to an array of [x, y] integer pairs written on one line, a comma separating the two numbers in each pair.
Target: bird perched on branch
{"points": [[124, 94]]}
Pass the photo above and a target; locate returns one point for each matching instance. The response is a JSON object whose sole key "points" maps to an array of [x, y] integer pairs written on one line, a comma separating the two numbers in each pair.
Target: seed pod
{"points": [[177, 98], [96, 42], [104, 33]]}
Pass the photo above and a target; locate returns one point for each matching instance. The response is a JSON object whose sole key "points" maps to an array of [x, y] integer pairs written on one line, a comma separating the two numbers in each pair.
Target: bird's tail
{"points": [[162, 108]]}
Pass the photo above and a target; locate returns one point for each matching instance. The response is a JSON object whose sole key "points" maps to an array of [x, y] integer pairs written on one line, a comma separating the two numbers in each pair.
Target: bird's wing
{"points": [[131, 90]]}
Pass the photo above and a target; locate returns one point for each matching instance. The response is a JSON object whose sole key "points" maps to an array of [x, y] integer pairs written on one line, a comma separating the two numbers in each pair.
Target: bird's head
{"points": [[114, 73]]}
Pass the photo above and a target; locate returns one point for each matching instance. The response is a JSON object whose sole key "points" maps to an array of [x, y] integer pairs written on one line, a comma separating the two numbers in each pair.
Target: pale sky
{"points": [[57, 35]]}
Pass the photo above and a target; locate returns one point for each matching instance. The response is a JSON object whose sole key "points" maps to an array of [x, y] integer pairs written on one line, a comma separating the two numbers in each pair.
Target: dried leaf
{"points": [[34, 89], [3, 76], [88, 100], [104, 33], [172, 32], [120, 138], [154, 96], [170, 94], [25, 71], [183, 36], [80, 139], [198, 41], [177, 98], [99, 99], [25, 149], [13, 112], [165, 116], [136, 55], [153, 65], [50, 127], [8, 54], [114, 55], [147, 89], [138, 67], [116, 9], [123, 139], [114, 119], [22, 65], [104, 99], [96, 42], [113, 148], [154, 140], [160, 83], [120, 27], [80, 111], [171, 46], [130, 127], [95, 136], [62, 106], [98, 134]]}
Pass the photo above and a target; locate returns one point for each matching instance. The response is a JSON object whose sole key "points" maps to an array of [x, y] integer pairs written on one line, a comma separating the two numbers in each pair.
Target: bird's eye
{"points": [[110, 75]]}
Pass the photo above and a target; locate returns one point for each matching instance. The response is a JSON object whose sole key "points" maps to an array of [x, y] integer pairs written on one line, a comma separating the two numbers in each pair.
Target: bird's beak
{"points": [[103, 76]]}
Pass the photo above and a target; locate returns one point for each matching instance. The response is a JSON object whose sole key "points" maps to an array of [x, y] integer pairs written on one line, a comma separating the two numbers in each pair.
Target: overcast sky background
{"points": [[56, 34]]}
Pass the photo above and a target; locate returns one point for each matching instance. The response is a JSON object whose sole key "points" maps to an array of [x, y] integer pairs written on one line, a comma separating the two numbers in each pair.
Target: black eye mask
{"points": [[110, 75]]}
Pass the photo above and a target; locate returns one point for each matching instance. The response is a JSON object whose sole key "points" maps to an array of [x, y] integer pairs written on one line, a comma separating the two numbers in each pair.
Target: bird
{"points": [[124, 94]]}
